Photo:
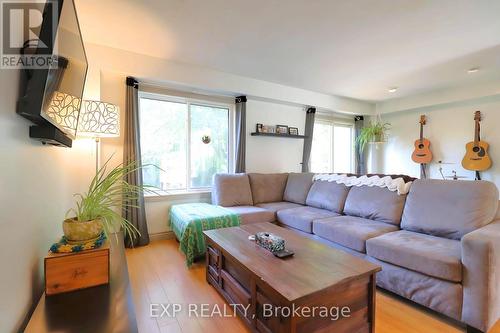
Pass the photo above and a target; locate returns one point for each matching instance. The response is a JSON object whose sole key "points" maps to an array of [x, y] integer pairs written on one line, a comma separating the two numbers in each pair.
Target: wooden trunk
{"points": [[240, 284], [72, 271]]}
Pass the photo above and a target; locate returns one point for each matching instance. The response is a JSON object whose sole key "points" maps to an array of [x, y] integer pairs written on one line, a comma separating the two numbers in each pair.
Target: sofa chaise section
{"points": [[258, 197], [267, 187], [233, 192], [274, 207], [277, 197], [252, 214]]}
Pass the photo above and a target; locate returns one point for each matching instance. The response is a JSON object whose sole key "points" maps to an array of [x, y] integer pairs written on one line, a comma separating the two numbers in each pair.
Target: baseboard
{"points": [[162, 236]]}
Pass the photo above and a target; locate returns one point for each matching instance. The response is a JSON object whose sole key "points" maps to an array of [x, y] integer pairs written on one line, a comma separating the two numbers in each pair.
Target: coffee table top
{"points": [[314, 267]]}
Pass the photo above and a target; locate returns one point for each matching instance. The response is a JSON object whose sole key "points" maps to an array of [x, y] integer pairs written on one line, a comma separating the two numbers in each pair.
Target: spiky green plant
{"points": [[108, 194], [375, 131]]}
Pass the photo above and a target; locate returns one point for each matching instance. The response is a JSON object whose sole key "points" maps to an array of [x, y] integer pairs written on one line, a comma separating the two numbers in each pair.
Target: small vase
{"points": [[80, 232]]}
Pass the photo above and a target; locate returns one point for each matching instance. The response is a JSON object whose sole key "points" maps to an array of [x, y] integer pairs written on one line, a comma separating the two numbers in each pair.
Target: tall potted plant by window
{"points": [[99, 209], [373, 133]]}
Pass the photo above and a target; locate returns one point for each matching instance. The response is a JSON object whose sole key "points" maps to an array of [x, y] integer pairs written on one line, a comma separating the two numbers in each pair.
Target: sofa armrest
{"points": [[481, 280]]}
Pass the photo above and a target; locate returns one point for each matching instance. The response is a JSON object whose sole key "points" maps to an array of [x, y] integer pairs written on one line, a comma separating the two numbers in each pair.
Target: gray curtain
{"points": [[241, 116], [132, 152], [359, 156], [308, 133]]}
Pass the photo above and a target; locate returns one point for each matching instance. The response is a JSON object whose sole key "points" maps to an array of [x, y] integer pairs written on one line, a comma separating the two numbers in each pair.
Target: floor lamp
{"points": [[64, 110], [99, 120]]}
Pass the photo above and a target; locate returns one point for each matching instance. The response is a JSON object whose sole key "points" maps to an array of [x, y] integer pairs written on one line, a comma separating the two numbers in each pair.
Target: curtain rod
{"points": [[189, 89], [215, 93]]}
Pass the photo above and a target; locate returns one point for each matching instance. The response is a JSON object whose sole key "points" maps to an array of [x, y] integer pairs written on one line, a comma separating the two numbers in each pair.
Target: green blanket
{"points": [[189, 220]]}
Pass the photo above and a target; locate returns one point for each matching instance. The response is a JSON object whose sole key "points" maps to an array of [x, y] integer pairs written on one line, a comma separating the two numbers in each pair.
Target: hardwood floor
{"points": [[158, 275]]}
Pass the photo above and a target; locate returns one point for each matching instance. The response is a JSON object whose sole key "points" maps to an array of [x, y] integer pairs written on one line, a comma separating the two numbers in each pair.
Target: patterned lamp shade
{"points": [[99, 119], [63, 111]]}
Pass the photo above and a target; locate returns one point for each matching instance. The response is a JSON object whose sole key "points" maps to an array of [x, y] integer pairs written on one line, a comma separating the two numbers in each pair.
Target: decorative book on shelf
{"points": [[293, 136]]}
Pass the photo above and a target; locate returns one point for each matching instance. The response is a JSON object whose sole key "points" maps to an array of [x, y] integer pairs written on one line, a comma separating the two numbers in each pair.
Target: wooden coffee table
{"points": [[330, 290]]}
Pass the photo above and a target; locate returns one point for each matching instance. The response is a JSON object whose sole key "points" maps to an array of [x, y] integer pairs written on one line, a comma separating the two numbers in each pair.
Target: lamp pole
{"points": [[97, 153]]}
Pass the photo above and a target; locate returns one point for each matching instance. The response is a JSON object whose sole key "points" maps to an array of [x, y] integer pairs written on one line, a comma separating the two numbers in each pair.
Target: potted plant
{"points": [[374, 132], [99, 209]]}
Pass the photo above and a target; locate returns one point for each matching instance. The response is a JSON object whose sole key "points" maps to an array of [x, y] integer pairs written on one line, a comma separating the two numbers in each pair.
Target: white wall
{"points": [[449, 127], [36, 187], [164, 72], [271, 154], [113, 90]]}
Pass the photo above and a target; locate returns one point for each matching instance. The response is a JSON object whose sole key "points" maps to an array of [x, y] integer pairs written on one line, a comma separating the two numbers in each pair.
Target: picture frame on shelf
{"points": [[268, 129], [281, 129], [293, 131], [258, 128]]}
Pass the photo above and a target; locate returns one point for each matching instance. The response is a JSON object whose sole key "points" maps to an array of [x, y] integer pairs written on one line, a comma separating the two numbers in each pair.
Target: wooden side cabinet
{"points": [[72, 271], [105, 308]]}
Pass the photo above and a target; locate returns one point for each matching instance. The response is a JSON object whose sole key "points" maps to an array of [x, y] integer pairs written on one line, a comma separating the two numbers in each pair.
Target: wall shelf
{"points": [[279, 135]]}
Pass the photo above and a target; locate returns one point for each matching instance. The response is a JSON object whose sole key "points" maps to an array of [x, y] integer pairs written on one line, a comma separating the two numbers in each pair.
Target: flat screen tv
{"points": [[51, 95]]}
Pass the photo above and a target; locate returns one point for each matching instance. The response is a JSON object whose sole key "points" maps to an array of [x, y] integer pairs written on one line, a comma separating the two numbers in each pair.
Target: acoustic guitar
{"points": [[476, 152], [422, 153]]}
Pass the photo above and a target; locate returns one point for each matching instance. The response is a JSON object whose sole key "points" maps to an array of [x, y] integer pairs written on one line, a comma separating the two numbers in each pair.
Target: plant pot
{"points": [[378, 138], [79, 232]]}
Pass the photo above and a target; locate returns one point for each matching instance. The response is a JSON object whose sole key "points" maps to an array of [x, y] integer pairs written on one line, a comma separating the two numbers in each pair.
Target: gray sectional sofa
{"points": [[438, 246]]}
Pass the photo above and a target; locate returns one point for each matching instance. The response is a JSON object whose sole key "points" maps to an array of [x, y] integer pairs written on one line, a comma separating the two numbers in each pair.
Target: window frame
{"points": [[199, 102], [333, 123]]}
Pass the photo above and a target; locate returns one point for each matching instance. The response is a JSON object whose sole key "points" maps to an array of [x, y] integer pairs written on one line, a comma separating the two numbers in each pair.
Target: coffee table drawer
{"points": [[213, 264], [236, 292], [268, 320], [213, 257]]}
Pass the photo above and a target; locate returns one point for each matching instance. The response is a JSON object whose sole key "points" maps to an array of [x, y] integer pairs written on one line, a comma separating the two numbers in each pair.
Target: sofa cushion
{"points": [[327, 195], [449, 208], [252, 214], [267, 187], [231, 190], [302, 217], [439, 295], [297, 187], [375, 203], [350, 231], [276, 206], [434, 256]]}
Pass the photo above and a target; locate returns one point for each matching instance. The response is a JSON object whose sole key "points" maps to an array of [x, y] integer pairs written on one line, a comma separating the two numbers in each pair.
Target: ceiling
{"points": [[354, 48]]}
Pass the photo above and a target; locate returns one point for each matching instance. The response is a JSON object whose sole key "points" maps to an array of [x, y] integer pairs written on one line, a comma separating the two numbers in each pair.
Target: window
{"points": [[185, 142], [322, 148], [332, 147]]}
